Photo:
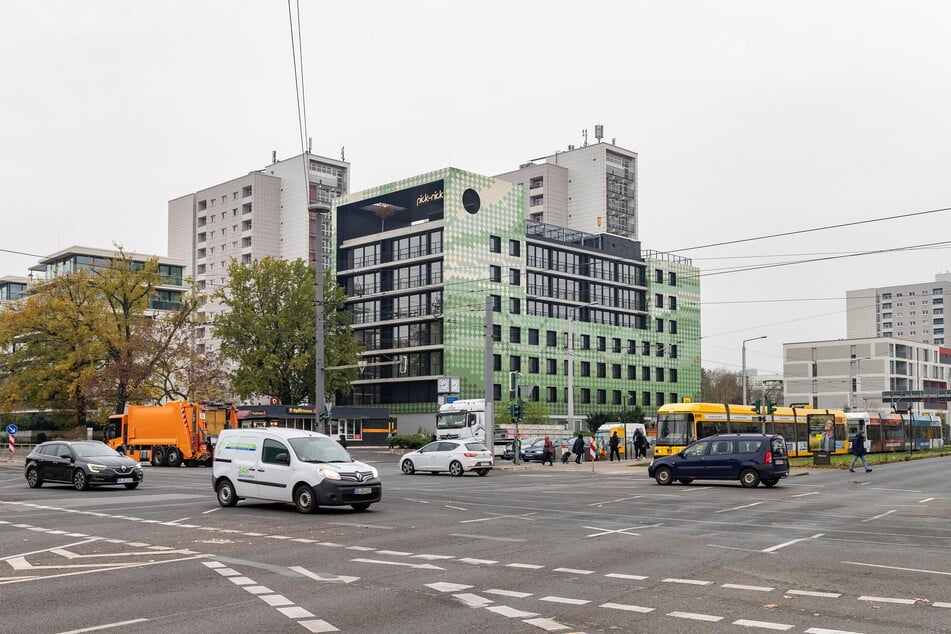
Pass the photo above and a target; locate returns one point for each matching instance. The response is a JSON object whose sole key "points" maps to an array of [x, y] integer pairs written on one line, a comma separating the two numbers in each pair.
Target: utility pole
{"points": [[489, 369]]}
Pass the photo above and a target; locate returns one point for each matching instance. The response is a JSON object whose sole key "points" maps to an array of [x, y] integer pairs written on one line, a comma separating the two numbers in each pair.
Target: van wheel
{"points": [[408, 467], [770, 482], [362, 506], [455, 469], [158, 457], [664, 475], [749, 478], [173, 457], [226, 493], [685, 480], [304, 499]]}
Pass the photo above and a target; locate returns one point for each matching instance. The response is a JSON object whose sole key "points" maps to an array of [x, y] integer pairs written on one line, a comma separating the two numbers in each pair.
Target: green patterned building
{"points": [[422, 258]]}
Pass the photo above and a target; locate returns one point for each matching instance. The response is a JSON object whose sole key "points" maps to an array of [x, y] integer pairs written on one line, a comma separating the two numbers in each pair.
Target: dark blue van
{"points": [[749, 458]]}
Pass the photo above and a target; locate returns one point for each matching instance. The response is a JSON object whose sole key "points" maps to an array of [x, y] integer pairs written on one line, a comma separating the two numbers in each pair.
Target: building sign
{"points": [[301, 410]]}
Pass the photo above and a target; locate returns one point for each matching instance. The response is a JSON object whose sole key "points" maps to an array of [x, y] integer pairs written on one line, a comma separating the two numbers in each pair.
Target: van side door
{"points": [[275, 475], [243, 451]]}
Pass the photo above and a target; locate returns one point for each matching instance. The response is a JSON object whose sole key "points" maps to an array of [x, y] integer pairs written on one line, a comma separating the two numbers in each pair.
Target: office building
{"points": [[423, 261], [908, 311]]}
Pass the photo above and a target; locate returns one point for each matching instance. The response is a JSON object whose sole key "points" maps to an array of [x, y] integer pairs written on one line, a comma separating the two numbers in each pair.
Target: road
{"points": [[531, 549]]}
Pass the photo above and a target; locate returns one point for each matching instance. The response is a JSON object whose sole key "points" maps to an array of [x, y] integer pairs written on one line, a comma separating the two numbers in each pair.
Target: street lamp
{"points": [[571, 364], [744, 363]]}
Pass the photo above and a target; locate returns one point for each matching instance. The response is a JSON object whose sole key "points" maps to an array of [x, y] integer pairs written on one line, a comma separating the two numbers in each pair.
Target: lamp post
{"points": [[319, 389], [744, 364], [571, 365]]}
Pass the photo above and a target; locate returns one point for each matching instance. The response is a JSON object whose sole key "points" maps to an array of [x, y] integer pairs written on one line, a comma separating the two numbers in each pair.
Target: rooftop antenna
{"points": [[584, 133], [598, 132], [273, 156], [342, 158], [310, 144]]}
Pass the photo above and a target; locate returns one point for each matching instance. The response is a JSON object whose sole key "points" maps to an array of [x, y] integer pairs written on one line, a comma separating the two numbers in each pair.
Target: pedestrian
{"points": [[578, 448], [858, 451], [548, 449], [640, 444], [614, 443], [343, 441]]}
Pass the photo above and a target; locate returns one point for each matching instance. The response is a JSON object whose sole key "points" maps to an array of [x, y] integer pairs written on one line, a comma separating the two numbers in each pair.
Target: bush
{"points": [[414, 441]]}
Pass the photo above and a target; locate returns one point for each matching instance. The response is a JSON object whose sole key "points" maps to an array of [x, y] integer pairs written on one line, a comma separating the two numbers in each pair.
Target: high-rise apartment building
{"points": [[914, 312], [592, 188], [270, 212]]}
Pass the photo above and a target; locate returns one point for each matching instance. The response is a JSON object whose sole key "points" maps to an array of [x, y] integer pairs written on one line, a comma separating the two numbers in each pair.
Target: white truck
{"points": [[464, 419]]}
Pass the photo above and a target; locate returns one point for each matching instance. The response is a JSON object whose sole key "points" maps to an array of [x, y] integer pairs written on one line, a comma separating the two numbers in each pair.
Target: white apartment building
{"points": [[908, 311], [592, 188], [269, 212], [852, 373]]}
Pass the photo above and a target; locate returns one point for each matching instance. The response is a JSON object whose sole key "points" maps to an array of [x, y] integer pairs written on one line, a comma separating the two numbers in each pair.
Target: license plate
{"points": [[779, 462], [363, 491], [123, 480]]}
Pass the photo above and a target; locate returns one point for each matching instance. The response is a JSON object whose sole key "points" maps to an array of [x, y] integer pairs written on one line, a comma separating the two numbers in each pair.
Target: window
{"points": [[672, 326], [585, 342], [660, 399], [659, 325], [645, 398], [515, 305], [616, 397], [672, 375], [551, 395], [551, 366], [672, 302], [536, 182], [495, 244], [496, 332], [631, 373], [585, 395], [645, 373], [615, 370], [533, 365], [585, 368], [515, 248], [496, 303], [533, 336], [646, 348], [515, 334], [659, 300], [515, 364], [602, 397], [602, 370], [535, 201], [495, 273], [631, 346], [551, 338], [602, 344], [658, 276], [496, 362], [616, 345], [659, 375], [515, 277]]}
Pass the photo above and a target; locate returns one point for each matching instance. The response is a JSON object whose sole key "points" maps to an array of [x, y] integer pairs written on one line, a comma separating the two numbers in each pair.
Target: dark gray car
{"points": [[80, 463], [749, 458]]}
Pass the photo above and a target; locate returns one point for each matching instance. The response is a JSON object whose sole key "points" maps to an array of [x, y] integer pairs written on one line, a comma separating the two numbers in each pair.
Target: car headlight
{"points": [[376, 474], [329, 474], [96, 468]]}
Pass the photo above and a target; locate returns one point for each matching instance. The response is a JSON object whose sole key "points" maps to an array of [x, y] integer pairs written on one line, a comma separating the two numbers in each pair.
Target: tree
{"points": [[720, 386], [269, 331], [185, 374], [597, 419], [630, 416]]}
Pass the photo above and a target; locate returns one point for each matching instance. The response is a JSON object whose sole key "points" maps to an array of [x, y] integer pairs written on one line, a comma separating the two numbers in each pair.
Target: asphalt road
{"points": [[531, 549]]}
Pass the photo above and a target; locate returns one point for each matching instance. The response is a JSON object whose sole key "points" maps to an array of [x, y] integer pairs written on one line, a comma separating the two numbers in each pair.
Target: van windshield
{"points": [[318, 449]]}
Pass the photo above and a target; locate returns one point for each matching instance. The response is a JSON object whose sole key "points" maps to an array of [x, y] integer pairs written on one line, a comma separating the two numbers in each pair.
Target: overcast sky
{"points": [[749, 119]]}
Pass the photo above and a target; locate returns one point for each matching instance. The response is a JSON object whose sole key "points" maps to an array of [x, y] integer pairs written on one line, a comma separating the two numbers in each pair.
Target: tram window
{"points": [[709, 428]]}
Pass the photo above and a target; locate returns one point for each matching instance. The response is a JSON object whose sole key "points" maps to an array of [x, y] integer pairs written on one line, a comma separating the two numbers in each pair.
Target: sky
{"points": [[749, 118]]}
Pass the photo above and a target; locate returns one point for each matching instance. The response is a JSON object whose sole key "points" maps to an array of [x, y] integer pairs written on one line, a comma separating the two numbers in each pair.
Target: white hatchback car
{"points": [[454, 456]]}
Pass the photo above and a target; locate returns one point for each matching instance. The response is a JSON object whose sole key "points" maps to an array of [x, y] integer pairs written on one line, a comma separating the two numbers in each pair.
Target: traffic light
{"points": [[756, 405], [513, 411], [770, 406], [519, 410]]}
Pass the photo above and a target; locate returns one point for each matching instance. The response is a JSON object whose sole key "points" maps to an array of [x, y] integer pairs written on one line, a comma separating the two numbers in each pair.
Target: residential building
{"points": [[592, 188], [853, 373], [425, 260], [907, 311], [12, 288], [269, 212]]}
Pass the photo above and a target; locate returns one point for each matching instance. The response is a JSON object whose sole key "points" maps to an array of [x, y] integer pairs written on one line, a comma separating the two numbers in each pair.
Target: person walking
{"points": [[640, 444], [614, 443], [858, 451], [548, 452], [578, 448]]}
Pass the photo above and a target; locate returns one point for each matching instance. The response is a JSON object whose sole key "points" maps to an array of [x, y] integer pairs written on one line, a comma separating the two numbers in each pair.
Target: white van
{"points": [[301, 467]]}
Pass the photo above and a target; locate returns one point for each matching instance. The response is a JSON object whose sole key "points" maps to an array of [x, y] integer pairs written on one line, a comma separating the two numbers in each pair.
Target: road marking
{"points": [[925, 500], [397, 563], [618, 575], [773, 549], [930, 572], [735, 586], [496, 516], [432, 557], [549, 625], [494, 539], [473, 600], [106, 626], [313, 575], [811, 593], [799, 495], [528, 566], [242, 581], [443, 586], [574, 571], [695, 616], [736, 508], [395, 553], [316, 626], [887, 600], [941, 604], [509, 593], [377, 526], [470, 560], [259, 590], [622, 531], [763, 624], [295, 612], [567, 600], [822, 630], [628, 608], [458, 508], [275, 600], [210, 511], [693, 582], [633, 497], [512, 613], [415, 500], [878, 517]]}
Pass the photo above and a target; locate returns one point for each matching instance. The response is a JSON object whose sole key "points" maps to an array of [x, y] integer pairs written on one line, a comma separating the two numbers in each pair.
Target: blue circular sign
{"points": [[12, 429]]}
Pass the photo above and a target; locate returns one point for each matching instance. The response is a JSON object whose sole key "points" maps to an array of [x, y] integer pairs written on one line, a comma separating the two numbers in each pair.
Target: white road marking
{"points": [[694, 582], [524, 516], [494, 539], [695, 616], [395, 553], [106, 626], [259, 590], [878, 517], [628, 608], [275, 600], [773, 549], [318, 626], [925, 500], [812, 593], [567, 600], [458, 508], [473, 600], [242, 581], [397, 563], [618, 575], [736, 508], [633, 497], [512, 613], [433, 557], [763, 624], [447, 587], [415, 500], [509, 593], [622, 531], [529, 566], [358, 525], [887, 600], [930, 572], [799, 495], [574, 571], [941, 604], [313, 575], [210, 511], [735, 586], [470, 560], [822, 630], [549, 625], [295, 612]]}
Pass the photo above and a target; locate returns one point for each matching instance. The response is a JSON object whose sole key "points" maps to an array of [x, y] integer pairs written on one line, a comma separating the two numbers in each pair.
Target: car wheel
{"points": [[685, 480], [173, 457], [80, 481], [131, 485], [158, 457], [362, 506], [33, 478], [455, 469], [749, 478], [226, 493], [408, 467], [304, 499], [664, 475], [770, 482], [482, 472]]}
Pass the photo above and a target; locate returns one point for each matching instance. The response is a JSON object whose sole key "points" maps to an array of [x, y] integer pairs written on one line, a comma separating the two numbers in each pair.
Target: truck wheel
{"points": [[158, 457], [304, 499], [226, 494], [173, 457]]}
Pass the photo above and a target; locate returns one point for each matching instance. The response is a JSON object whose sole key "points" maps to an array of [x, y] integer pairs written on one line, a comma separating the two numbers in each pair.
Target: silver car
{"points": [[454, 456]]}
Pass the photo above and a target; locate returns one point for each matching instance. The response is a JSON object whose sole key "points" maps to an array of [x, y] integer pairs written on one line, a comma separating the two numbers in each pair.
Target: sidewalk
{"points": [[607, 467]]}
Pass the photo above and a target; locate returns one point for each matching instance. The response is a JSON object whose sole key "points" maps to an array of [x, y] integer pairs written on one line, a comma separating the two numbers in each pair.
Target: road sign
{"points": [[452, 399], [12, 429]]}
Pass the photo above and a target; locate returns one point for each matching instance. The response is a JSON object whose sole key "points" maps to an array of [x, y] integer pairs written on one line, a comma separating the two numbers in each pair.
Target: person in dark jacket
{"points": [[640, 444], [614, 443], [578, 448], [858, 451]]}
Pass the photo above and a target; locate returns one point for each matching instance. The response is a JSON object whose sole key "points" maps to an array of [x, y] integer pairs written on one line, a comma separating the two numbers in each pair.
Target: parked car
{"points": [[536, 451], [749, 458], [80, 463], [454, 456]]}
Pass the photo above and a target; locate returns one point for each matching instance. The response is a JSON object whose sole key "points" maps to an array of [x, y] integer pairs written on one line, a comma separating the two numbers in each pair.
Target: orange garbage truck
{"points": [[173, 434]]}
